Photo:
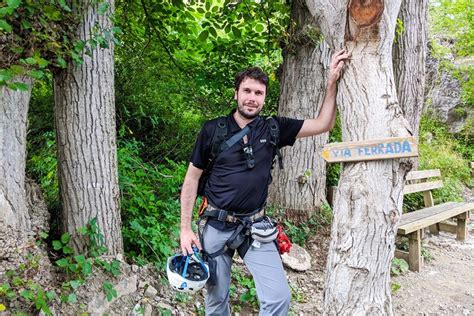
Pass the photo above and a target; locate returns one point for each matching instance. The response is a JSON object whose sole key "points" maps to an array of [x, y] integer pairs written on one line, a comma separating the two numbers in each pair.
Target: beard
{"points": [[247, 115]]}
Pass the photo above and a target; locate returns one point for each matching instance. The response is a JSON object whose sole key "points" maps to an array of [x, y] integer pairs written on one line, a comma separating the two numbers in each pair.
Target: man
{"points": [[240, 189]]}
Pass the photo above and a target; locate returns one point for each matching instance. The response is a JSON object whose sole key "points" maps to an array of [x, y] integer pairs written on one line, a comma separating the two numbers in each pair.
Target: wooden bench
{"points": [[432, 216]]}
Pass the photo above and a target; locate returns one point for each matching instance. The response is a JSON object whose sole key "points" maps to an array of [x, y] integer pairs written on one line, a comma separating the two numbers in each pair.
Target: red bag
{"points": [[283, 242]]}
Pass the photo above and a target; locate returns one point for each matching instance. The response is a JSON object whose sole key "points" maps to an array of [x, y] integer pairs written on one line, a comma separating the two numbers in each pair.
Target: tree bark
{"points": [[13, 126], [368, 200], [300, 188], [86, 137], [409, 55]]}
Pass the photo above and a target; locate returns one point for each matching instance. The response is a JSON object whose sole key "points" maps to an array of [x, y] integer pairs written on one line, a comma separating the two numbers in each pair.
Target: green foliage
{"points": [[150, 206], [19, 286], [39, 35], [399, 267], [41, 164], [399, 30], [454, 19], [334, 169], [453, 162], [395, 287], [247, 284], [300, 233], [79, 267]]}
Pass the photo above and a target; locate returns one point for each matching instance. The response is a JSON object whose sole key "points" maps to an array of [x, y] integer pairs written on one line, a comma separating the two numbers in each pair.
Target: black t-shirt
{"points": [[232, 185]]}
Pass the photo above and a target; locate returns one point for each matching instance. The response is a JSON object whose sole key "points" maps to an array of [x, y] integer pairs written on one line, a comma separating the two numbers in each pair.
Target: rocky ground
{"points": [[443, 287]]}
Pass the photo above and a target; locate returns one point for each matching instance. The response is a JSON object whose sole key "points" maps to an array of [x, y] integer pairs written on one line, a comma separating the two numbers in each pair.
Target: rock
{"points": [[148, 311], [297, 259], [134, 268], [119, 257], [142, 284], [165, 306], [150, 292], [100, 304]]}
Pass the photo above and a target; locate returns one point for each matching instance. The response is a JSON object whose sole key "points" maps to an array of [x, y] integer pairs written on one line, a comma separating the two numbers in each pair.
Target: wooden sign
{"points": [[388, 148]]}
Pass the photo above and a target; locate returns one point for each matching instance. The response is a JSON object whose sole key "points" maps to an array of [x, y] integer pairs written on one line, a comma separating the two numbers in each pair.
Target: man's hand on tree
{"points": [[337, 63]]}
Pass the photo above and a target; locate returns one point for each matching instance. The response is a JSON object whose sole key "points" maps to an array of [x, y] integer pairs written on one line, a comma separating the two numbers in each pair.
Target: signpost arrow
{"points": [[387, 148]]}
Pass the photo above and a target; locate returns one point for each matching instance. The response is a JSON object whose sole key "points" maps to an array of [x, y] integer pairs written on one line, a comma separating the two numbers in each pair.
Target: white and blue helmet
{"points": [[187, 274]]}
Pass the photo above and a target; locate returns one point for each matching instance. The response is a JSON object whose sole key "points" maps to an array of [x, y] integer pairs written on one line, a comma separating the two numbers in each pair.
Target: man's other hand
{"points": [[188, 239]]}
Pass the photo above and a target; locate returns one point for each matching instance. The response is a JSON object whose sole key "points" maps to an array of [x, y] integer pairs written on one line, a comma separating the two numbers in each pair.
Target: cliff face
{"points": [[443, 95]]}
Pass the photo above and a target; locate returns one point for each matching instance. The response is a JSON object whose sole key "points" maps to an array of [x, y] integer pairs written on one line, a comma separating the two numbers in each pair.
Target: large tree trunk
{"points": [[409, 55], [86, 137], [368, 200], [301, 187], [13, 125]]}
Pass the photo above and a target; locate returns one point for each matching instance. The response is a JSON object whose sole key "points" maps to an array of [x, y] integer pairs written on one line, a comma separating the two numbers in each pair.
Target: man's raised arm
{"points": [[327, 116]]}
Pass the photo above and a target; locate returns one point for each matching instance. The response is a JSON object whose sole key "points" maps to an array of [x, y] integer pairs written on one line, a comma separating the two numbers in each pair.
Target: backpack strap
{"points": [[219, 137], [275, 138]]}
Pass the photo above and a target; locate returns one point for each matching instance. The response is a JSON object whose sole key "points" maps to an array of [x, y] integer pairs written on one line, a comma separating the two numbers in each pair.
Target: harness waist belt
{"points": [[224, 216]]}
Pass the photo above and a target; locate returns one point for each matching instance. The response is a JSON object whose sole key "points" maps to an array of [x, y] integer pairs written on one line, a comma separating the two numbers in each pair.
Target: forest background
{"points": [[174, 69]]}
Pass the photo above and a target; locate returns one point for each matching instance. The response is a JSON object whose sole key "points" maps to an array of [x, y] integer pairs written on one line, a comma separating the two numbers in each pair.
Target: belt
{"points": [[225, 216]]}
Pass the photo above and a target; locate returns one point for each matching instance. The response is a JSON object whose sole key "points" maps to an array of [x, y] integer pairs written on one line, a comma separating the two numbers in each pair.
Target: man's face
{"points": [[250, 98]]}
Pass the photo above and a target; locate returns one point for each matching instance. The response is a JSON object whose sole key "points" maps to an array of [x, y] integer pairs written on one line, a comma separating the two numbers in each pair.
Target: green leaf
{"points": [[65, 238], [68, 250], [50, 295], [30, 61], [13, 3], [37, 74], [42, 63], [57, 245], [203, 36], [26, 24], [27, 294], [18, 86], [61, 62], [80, 259], [103, 7], [62, 262], [236, 32], [213, 32], [75, 284], [5, 75], [87, 269], [64, 6], [16, 49], [259, 28], [82, 230], [5, 26], [72, 298]]}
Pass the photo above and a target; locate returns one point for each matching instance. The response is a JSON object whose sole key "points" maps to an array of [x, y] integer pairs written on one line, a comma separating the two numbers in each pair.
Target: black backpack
{"points": [[220, 142]]}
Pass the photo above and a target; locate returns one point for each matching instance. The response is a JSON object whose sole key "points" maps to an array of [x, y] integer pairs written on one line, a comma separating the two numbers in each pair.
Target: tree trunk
{"points": [[13, 125], [301, 187], [368, 200], [86, 137], [409, 55]]}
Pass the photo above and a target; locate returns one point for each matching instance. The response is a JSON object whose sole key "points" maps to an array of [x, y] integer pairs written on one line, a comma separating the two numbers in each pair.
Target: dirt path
{"points": [[444, 287]]}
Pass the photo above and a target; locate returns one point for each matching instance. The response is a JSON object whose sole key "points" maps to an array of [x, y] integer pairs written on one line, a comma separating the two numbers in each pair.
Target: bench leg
{"points": [[461, 231], [414, 251], [434, 229]]}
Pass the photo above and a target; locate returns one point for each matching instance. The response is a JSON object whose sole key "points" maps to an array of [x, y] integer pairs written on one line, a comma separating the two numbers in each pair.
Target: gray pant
{"points": [[264, 263]]}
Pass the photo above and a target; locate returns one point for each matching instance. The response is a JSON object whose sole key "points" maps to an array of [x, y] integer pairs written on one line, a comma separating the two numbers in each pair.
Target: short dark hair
{"points": [[253, 72]]}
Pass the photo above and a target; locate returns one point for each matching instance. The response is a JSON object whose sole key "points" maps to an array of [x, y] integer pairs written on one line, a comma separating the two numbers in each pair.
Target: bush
{"points": [[150, 204]]}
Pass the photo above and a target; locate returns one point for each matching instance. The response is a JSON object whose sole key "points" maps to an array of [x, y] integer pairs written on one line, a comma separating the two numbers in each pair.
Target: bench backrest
{"points": [[419, 181]]}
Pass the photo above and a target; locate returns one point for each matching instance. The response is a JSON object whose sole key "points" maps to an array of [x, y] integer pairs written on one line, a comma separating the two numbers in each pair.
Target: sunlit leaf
{"points": [[203, 36], [13, 3], [5, 26]]}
